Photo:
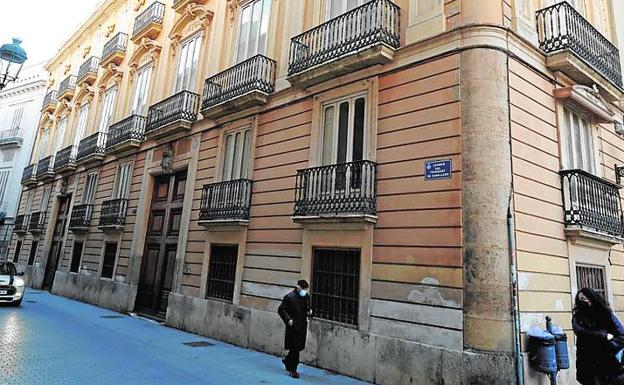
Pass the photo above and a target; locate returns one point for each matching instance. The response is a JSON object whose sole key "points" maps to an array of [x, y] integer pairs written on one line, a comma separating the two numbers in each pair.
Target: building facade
{"points": [[444, 173], [19, 115]]}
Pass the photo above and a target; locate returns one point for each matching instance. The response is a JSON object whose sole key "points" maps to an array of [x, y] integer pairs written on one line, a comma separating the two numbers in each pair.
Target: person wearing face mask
{"points": [[599, 337], [294, 311]]}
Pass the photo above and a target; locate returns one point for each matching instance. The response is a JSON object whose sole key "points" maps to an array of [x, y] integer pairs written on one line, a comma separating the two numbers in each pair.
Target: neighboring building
{"points": [[196, 158], [20, 103]]}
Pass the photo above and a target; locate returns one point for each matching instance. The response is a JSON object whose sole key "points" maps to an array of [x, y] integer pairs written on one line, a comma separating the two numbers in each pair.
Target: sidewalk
{"points": [[52, 340]]}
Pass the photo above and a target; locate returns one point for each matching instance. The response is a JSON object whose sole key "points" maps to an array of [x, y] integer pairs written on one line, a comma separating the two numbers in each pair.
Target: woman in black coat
{"points": [[294, 311], [597, 331]]}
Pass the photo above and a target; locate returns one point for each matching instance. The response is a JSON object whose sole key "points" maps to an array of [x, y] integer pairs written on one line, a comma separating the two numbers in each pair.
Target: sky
{"points": [[43, 25]]}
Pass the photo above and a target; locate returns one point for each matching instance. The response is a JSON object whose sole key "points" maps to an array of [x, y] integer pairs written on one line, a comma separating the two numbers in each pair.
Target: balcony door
{"points": [[139, 104], [336, 8], [43, 143], [161, 245], [253, 28], [60, 135], [108, 108], [81, 127], [578, 142], [187, 64]]}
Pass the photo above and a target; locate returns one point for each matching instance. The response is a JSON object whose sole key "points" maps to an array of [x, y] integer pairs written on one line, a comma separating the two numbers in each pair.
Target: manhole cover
{"points": [[111, 316], [198, 344], [31, 301], [33, 292]]}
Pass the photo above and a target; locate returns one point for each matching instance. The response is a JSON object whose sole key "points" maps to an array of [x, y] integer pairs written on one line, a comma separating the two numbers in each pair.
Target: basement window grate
{"points": [[111, 316], [31, 301], [198, 344]]}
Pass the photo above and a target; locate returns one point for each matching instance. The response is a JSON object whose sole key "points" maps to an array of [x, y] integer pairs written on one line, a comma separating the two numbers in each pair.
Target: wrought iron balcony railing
{"points": [[113, 213], [50, 99], [254, 74], [591, 203], [30, 172], [65, 158], [89, 68], [118, 43], [131, 128], [94, 144], [14, 136], [561, 27], [229, 200], [45, 166], [182, 106], [152, 15], [81, 216], [376, 22], [340, 189], [37, 221], [21, 223], [67, 86]]}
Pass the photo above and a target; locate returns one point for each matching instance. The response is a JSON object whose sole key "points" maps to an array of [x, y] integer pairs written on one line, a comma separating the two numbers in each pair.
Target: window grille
{"points": [[33, 253], [222, 271], [110, 254], [18, 249], [76, 255], [592, 277]]}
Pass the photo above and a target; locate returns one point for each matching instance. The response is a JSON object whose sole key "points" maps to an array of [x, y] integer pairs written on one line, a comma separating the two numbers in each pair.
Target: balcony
{"points": [[29, 176], [21, 224], [65, 160], [247, 84], [91, 149], [37, 220], [11, 138], [591, 207], [114, 50], [88, 71], [149, 23], [67, 88], [362, 37], [50, 101], [575, 47], [340, 192], [225, 203], [113, 215], [80, 218], [126, 134], [174, 114], [45, 169]]}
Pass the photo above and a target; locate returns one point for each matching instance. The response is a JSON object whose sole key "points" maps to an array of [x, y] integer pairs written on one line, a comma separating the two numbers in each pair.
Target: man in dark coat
{"points": [[294, 311]]}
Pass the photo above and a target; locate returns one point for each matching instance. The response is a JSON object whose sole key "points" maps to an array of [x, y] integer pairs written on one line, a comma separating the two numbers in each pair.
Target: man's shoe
{"points": [[284, 362], [294, 374]]}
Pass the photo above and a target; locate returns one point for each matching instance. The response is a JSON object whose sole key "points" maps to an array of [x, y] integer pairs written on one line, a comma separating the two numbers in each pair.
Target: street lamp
{"points": [[12, 58]]}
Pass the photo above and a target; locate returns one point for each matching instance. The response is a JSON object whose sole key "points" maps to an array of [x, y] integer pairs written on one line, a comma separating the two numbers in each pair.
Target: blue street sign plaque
{"points": [[438, 169]]}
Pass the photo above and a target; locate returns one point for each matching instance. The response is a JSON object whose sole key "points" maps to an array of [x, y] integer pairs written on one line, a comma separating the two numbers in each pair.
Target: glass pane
{"points": [[238, 154], [243, 36], [181, 65], [193, 64], [343, 129], [328, 136], [60, 134], [576, 135], [228, 158], [358, 130], [254, 32], [245, 158], [82, 123], [568, 161], [336, 8], [264, 26]]}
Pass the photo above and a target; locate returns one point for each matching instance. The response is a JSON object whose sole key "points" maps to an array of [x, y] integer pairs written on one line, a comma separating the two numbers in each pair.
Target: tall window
{"points": [[18, 249], [43, 143], [60, 135], [336, 8], [236, 157], [122, 183], [45, 198], [335, 284], [139, 105], [222, 271], [4, 181], [83, 117], [88, 194], [33, 253], [107, 109], [253, 29], [344, 131], [579, 146], [108, 264], [18, 113], [74, 264], [187, 64], [592, 277]]}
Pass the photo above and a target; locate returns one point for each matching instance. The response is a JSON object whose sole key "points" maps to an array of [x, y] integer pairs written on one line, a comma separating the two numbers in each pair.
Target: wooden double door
{"points": [[57, 241], [161, 245]]}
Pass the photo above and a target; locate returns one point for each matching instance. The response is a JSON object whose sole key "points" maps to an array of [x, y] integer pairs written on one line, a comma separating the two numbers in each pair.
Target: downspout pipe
{"points": [[513, 278]]}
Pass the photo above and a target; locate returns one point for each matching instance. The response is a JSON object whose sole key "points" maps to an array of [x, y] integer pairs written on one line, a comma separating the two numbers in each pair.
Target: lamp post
{"points": [[12, 58]]}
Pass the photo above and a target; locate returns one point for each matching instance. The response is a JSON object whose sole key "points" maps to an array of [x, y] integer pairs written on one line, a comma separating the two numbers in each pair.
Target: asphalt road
{"points": [[52, 340]]}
